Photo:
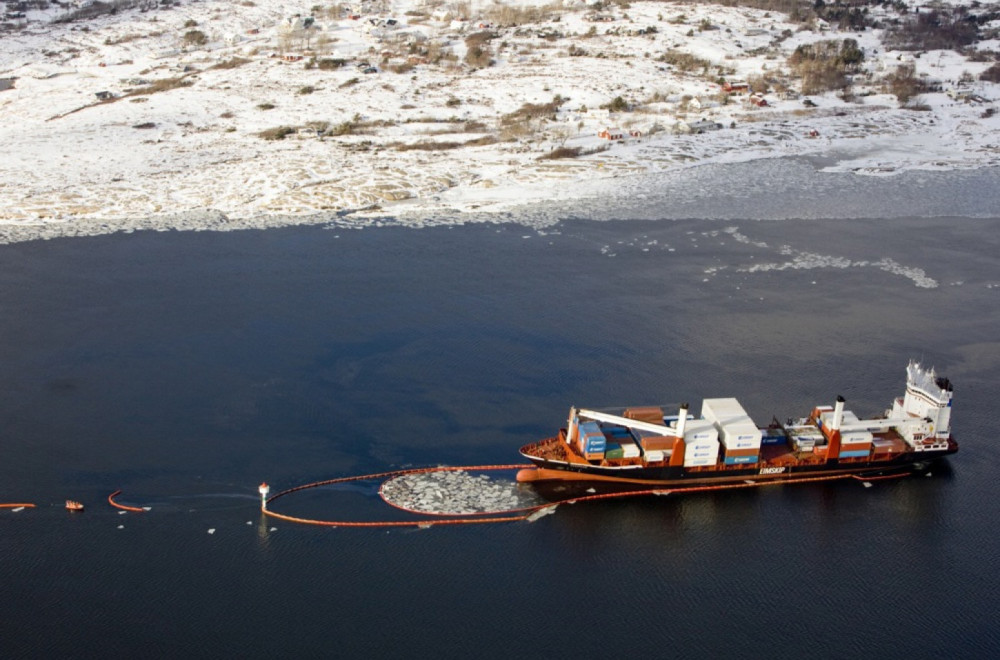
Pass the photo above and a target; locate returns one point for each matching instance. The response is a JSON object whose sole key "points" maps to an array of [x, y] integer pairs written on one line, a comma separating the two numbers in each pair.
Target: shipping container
{"points": [[655, 456], [723, 411], [853, 454], [656, 442], [749, 451], [700, 430], [856, 437], [650, 414], [773, 437], [594, 455], [614, 451], [848, 418], [741, 460], [740, 435]]}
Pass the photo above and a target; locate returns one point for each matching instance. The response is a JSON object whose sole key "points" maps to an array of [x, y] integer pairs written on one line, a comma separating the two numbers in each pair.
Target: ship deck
{"points": [[886, 446]]}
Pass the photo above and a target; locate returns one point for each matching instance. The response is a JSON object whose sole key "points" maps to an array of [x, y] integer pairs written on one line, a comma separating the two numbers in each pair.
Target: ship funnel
{"points": [[682, 418], [838, 414]]}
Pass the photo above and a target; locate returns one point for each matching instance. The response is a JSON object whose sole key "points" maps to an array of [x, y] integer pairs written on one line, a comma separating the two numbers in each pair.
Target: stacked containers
{"points": [[741, 439], [630, 449], [854, 444], [805, 438], [701, 443], [591, 441]]}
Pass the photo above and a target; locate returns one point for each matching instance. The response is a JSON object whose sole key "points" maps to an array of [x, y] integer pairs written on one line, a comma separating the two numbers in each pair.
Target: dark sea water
{"points": [[186, 368]]}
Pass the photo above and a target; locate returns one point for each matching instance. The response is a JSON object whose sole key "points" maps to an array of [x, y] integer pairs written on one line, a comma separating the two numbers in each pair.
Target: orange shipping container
{"points": [[651, 414], [750, 451], [657, 442]]}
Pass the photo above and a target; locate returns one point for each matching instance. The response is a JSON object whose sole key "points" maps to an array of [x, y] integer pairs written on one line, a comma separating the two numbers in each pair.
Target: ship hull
{"points": [[678, 476]]}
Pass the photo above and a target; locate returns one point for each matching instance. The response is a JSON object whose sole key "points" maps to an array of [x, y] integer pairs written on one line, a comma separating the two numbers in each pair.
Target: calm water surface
{"points": [[187, 368]]}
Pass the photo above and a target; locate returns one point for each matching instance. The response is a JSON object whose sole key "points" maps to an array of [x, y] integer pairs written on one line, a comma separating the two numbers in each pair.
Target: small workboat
{"points": [[73, 505]]}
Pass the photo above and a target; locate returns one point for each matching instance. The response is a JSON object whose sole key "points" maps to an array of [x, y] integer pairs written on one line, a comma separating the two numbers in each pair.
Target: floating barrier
{"points": [[17, 505], [509, 515], [123, 507]]}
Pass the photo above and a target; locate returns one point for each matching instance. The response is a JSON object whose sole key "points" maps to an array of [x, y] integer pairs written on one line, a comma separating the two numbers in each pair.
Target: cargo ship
{"points": [[644, 447]]}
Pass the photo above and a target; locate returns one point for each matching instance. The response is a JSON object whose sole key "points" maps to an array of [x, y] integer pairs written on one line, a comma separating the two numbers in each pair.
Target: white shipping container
{"points": [[630, 450], [700, 430], [848, 418], [855, 437], [803, 443], [741, 436], [724, 411], [654, 456], [701, 454]]}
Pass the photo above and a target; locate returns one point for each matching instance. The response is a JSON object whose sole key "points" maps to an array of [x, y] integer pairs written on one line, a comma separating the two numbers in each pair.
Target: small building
{"points": [[704, 126], [735, 87]]}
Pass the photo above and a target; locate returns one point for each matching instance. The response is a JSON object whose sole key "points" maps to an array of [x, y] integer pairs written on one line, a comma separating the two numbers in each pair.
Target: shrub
{"points": [[617, 104], [231, 63], [572, 152], [308, 89], [991, 74], [276, 133], [530, 111], [195, 38], [329, 64], [904, 84], [824, 65], [265, 106], [933, 30], [162, 85]]}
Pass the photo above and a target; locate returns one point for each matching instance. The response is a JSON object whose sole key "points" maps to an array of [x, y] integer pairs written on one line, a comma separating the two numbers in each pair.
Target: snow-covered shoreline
{"points": [[419, 142]]}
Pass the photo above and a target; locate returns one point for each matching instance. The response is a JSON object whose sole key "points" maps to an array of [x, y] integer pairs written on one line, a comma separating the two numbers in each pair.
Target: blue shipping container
{"points": [[740, 460], [588, 428], [854, 454], [773, 440]]}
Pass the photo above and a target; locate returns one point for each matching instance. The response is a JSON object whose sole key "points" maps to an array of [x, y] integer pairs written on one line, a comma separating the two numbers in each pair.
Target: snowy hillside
{"points": [[266, 109]]}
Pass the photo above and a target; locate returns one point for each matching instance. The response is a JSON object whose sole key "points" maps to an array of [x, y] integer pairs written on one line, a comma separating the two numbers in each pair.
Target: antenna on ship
{"points": [[263, 489]]}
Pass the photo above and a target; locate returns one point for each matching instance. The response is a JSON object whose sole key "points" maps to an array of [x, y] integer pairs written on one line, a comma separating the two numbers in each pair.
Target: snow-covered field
{"points": [[384, 115]]}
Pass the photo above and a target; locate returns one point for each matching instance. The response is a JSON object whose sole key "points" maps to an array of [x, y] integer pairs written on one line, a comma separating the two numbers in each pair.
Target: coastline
{"points": [[426, 145]]}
